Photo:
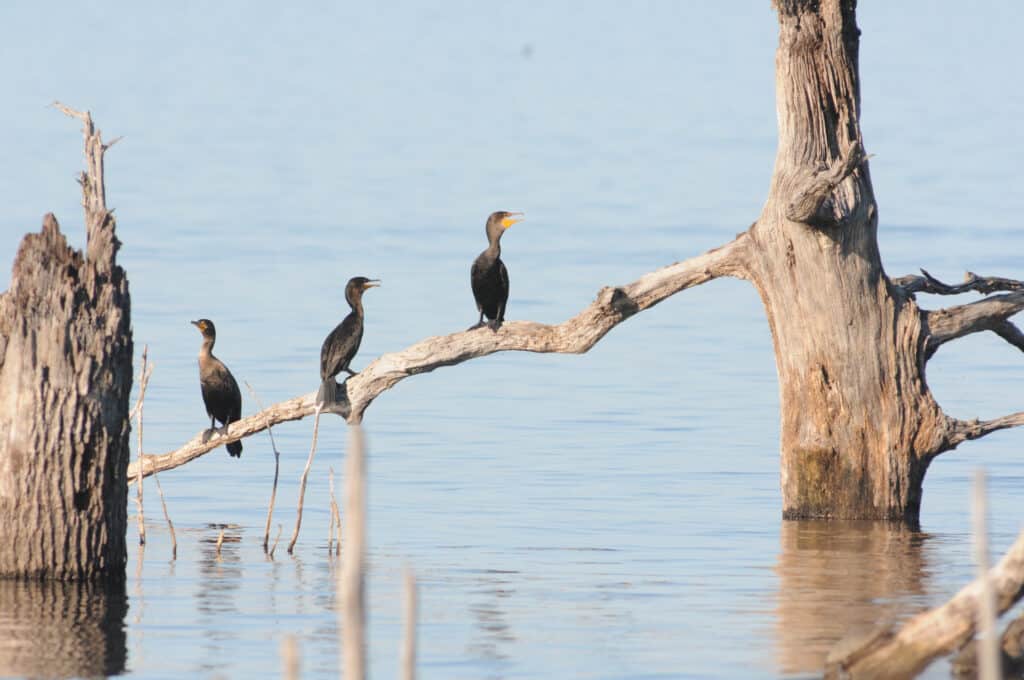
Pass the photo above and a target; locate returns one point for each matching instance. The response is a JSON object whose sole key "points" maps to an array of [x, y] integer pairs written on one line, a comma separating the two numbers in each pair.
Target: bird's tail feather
{"points": [[235, 449], [328, 392]]}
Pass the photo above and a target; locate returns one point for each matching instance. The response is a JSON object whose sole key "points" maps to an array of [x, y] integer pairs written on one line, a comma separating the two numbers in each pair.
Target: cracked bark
{"points": [[65, 378]]}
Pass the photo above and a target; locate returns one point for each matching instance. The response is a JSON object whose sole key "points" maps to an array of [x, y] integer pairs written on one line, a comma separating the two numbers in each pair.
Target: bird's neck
{"points": [[357, 306], [493, 249], [206, 350]]}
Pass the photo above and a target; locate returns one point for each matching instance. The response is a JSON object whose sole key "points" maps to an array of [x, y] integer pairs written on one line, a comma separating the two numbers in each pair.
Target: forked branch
{"points": [[574, 336], [989, 314]]}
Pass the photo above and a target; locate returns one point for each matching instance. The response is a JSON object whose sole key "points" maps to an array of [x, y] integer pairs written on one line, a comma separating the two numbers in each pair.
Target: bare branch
{"points": [[926, 283], [934, 633], [574, 336], [807, 206], [989, 314], [966, 430]]}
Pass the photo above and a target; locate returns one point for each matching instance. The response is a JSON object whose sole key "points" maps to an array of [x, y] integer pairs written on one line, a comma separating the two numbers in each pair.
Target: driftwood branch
{"points": [[574, 336], [926, 283], [927, 636], [989, 314], [808, 205]]}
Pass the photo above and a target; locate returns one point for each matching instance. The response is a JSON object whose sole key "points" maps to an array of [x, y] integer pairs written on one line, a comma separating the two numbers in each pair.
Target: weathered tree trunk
{"points": [[859, 425], [65, 378]]}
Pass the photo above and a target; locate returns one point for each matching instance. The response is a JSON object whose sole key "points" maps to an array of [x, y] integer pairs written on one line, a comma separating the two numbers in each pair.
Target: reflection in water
{"points": [[840, 578], [57, 630], [220, 577], [492, 627]]}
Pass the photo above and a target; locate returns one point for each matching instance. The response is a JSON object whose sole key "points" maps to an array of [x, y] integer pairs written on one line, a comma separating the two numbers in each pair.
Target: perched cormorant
{"points": [[342, 343], [488, 275], [220, 391]]}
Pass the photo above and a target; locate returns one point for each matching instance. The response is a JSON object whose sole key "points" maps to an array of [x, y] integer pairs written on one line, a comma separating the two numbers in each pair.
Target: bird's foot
{"points": [[479, 324], [207, 434], [495, 325]]}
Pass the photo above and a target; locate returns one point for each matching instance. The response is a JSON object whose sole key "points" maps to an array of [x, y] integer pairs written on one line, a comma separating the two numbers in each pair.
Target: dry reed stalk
{"points": [[144, 373], [988, 637], [409, 638], [277, 469], [330, 528], [352, 579], [305, 476]]}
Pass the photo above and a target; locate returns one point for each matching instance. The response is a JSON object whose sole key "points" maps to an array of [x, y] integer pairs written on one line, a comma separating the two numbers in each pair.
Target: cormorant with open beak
{"points": [[220, 391], [342, 343], [488, 275]]}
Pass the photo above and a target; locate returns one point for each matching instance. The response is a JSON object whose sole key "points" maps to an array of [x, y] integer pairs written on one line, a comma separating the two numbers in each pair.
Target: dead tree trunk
{"points": [[65, 378], [859, 424]]}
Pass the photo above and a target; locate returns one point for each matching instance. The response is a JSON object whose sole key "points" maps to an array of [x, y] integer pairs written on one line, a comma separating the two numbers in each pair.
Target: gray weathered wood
{"points": [[65, 378]]}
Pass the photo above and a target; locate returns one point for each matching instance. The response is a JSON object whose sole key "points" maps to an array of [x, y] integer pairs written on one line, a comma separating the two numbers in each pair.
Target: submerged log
{"points": [[65, 378]]}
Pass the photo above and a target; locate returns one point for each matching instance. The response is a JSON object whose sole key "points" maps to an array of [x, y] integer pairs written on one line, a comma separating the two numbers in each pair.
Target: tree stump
{"points": [[65, 379]]}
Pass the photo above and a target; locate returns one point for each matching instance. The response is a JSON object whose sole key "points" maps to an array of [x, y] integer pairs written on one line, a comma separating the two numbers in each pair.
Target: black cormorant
{"points": [[342, 343], [488, 275], [220, 391]]}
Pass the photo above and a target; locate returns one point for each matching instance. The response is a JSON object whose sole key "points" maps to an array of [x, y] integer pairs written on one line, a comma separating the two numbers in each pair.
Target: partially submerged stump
{"points": [[65, 378]]}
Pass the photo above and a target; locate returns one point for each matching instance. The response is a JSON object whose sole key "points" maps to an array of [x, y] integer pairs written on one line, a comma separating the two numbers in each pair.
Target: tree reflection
{"points": [[58, 629], [842, 578]]}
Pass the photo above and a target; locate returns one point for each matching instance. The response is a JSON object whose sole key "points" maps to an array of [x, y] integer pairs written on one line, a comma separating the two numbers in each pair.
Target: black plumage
{"points": [[488, 275], [221, 395], [342, 343]]}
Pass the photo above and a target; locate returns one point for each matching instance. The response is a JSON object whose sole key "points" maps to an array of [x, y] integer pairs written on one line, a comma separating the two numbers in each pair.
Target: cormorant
{"points": [[488, 275], [220, 391], [342, 343]]}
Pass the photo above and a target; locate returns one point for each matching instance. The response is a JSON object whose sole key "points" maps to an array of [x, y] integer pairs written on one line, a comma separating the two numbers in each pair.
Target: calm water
{"points": [[614, 515]]}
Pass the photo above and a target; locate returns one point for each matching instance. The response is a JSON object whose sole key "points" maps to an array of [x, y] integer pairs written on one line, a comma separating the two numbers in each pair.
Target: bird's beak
{"points": [[511, 219], [194, 323], [372, 283]]}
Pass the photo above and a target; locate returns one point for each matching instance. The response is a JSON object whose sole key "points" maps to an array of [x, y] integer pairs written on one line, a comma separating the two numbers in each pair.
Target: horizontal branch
{"points": [[966, 430], [926, 283], [931, 634], [574, 336], [989, 314]]}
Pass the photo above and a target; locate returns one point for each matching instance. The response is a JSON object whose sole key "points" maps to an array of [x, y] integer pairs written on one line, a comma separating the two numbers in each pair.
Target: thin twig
{"points": [[409, 638], [144, 373], [988, 650], [302, 484], [170, 524], [352, 579], [220, 542], [277, 469], [290, 658]]}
